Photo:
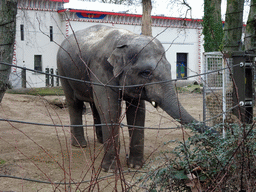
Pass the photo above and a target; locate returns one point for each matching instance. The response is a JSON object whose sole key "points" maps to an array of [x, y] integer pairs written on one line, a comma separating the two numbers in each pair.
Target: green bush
{"points": [[220, 164]]}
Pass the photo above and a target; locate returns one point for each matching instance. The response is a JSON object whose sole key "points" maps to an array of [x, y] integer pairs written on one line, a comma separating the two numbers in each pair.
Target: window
{"points": [[51, 33], [182, 65], [22, 32], [38, 62]]}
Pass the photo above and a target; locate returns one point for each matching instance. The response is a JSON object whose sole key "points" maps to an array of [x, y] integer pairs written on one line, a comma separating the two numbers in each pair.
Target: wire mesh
{"points": [[218, 89]]}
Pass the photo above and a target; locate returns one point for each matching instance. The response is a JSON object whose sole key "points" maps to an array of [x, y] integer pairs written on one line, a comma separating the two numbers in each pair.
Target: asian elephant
{"points": [[113, 61]]}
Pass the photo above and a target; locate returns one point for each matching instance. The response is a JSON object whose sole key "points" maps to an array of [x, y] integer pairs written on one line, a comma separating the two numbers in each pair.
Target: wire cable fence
{"points": [[113, 86], [95, 125], [99, 178], [215, 71]]}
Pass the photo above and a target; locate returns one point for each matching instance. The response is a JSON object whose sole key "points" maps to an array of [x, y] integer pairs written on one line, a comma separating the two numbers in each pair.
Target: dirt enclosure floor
{"points": [[44, 153]]}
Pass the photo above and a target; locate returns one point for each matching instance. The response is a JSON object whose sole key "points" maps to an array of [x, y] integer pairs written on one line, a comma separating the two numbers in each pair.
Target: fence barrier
{"points": [[217, 74], [49, 77], [66, 183], [113, 86], [56, 125]]}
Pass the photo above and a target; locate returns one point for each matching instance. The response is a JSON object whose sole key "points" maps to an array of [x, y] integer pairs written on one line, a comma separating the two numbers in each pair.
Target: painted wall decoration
{"points": [[90, 15]]}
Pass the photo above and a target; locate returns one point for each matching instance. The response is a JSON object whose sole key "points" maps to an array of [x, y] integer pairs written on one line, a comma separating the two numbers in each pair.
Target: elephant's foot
{"points": [[99, 134], [109, 166], [100, 139], [135, 162], [78, 142]]}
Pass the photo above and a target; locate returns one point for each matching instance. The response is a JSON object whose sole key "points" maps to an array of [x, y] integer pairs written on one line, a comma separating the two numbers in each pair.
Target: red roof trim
{"points": [[127, 15]]}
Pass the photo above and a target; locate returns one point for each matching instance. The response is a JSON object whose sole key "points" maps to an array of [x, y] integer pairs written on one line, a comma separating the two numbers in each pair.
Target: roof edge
{"points": [[126, 14]]}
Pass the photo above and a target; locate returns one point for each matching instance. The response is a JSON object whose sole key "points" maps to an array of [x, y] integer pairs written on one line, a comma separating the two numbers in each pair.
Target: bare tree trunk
{"points": [[146, 18], [250, 33], [8, 11], [233, 26], [213, 32]]}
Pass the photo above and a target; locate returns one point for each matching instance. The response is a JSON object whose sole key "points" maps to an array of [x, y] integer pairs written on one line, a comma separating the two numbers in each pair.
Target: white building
{"points": [[43, 24]]}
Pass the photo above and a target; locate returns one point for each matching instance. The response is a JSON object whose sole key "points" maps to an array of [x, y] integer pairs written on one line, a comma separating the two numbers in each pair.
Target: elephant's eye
{"points": [[145, 73]]}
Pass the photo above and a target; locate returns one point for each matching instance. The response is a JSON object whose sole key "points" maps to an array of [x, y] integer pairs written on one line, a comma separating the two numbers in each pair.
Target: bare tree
{"points": [[8, 11], [146, 18]]}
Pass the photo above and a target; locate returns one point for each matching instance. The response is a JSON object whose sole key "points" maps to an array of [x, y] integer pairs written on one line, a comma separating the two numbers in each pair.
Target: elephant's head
{"points": [[142, 60]]}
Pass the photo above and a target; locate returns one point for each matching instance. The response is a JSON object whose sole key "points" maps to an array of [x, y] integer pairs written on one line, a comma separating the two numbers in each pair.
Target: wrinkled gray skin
{"points": [[117, 57]]}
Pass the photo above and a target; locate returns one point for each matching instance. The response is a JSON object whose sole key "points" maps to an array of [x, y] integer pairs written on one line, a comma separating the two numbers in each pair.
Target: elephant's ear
{"points": [[117, 59]]}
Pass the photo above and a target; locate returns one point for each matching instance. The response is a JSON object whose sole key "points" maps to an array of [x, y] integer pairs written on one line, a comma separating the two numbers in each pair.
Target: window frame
{"points": [[38, 67]]}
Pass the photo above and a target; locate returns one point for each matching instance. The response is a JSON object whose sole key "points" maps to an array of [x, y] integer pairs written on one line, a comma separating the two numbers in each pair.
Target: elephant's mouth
{"points": [[155, 104]]}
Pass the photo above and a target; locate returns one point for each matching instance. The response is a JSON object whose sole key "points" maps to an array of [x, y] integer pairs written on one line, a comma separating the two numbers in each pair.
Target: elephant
{"points": [[113, 65]]}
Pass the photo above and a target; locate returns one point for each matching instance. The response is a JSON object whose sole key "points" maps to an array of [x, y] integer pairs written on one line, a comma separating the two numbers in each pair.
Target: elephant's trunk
{"points": [[171, 105]]}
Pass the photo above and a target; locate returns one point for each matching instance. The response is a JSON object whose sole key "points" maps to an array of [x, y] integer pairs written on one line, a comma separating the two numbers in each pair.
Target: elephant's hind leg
{"points": [[77, 133], [97, 120], [136, 116], [75, 108]]}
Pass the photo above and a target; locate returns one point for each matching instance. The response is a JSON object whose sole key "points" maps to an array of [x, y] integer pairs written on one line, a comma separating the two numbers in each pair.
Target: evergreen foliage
{"points": [[212, 27]]}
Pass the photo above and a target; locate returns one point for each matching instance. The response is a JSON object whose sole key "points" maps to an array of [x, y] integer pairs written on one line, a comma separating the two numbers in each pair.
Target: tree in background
{"points": [[232, 40], [146, 15], [8, 11], [212, 25], [250, 34], [146, 18]]}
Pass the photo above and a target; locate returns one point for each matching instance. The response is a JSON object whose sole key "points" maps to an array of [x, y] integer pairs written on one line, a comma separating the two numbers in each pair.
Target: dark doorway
{"points": [[182, 65]]}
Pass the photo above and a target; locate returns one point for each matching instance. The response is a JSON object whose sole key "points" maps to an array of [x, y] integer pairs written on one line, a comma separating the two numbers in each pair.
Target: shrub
{"points": [[209, 162]]}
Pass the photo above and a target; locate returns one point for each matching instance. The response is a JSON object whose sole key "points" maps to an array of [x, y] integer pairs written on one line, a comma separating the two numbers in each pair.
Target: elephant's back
{"points": [[89, 40], [97, 34], [87, 44]]}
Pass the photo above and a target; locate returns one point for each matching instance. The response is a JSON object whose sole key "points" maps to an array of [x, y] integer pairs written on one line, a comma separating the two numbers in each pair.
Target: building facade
{"points": [[43, 24]]}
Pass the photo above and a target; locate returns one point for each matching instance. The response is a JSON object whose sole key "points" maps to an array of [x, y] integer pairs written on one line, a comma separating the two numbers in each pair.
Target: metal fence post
{"points": [[243, 65], [57, 78], [23, 78], [51, 78], [47, 80]]}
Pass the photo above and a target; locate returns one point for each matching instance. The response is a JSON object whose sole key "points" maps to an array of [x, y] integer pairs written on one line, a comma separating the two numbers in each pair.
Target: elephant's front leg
{"points": [[97, 120], [77, 133], [136, 116], [108, 107]]}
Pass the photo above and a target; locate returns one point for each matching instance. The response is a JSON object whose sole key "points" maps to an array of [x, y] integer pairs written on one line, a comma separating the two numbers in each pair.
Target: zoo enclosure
{"points": [[228, 93], [217, 78], [220, 96]]}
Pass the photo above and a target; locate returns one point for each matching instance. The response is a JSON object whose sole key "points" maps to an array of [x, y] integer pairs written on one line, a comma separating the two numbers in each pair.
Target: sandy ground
{"points": [[44, 153]]}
